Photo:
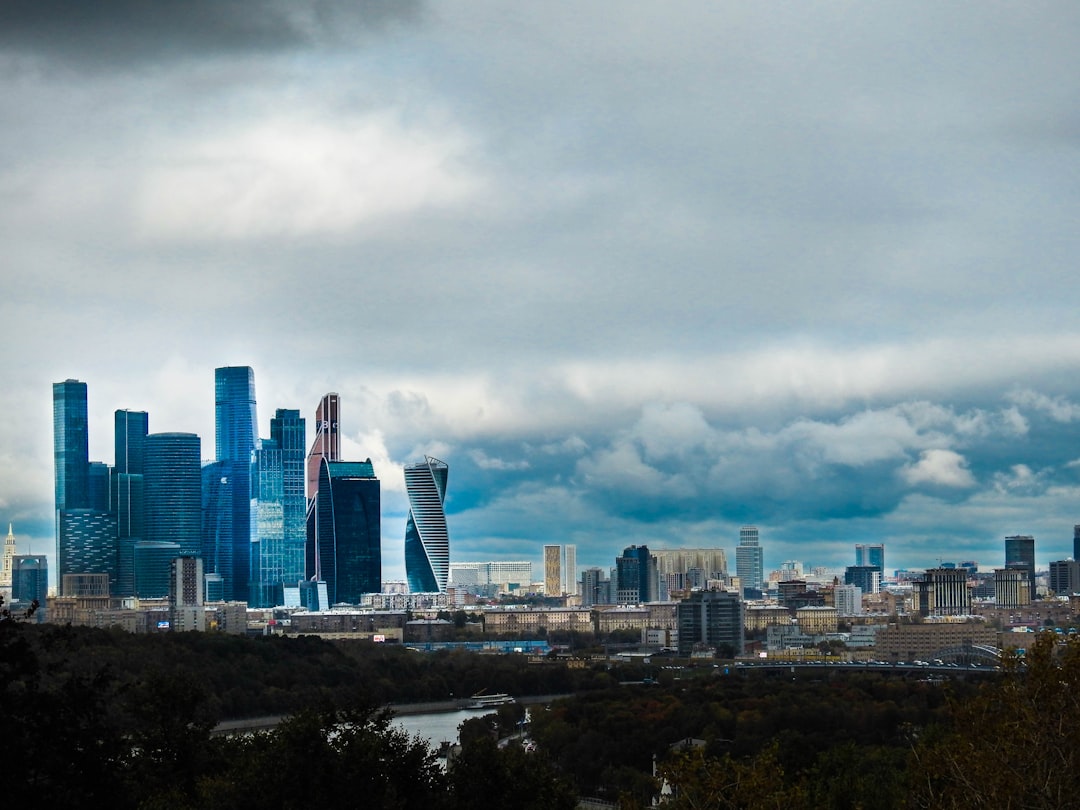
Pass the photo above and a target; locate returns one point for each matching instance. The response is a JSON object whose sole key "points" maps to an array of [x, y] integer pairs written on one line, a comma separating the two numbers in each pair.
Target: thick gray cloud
{"points": [[638, 274]]}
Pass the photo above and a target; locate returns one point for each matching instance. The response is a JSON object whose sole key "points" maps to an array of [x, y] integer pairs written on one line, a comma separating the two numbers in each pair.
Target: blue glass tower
{"points": [[427, 541], [277, 550], [29, 582], [346, 531], [172, 491], [71, 445], [235, 441], [126, 492]]}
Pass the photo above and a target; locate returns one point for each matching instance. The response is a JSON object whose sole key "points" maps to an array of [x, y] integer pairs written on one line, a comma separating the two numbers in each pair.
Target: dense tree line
{"points": [[92, 718]]}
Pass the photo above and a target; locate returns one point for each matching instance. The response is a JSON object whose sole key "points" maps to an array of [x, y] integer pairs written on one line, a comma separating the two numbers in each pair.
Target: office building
{"points": [[1076, 542], [749, 560], [217, 522], [595, 588], [1020, 555], [278, 548], [126, 492], [327, 443], [943, 592], [553, 571], [71, 445], [1011, 588], [569, 574], [1064, 577], [495, 576], [871, 554], [636, 576], [866, 578], [687, 568], [30, 583], [427, 540], [172, 491], [235, 425], [345, 534], [88, 544], [153, 564], [710, 620]]}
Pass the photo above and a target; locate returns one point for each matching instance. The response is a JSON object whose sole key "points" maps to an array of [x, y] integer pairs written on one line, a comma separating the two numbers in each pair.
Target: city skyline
{"points": [[809, 270]]}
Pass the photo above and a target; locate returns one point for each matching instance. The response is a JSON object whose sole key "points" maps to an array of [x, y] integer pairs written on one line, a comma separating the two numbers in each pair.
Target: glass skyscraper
{"points": [[235, 438], [172, 491], [1020, 555], [277, 550], [71, 445], [126, 492], [749, 563], [427, 541], [345, 534]]}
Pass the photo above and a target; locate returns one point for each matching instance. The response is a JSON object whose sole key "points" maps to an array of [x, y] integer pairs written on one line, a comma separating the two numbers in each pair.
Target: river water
{"points": [[437, 727]]}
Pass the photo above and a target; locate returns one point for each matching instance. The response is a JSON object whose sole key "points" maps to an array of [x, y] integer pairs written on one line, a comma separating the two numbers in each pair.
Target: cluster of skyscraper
{"points": [[271, 525]]}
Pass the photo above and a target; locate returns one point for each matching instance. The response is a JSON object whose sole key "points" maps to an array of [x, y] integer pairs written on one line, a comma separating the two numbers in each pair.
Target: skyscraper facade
{"points": [[235, 424], [277, 549], [172, 491], [427, 540], [71, 445], [553, 571], [636, 577], [30, 582], [1020, 555], [749, 560], [871, 554], [1076, 542], [347, 537], [712, 619], [570, 580], [327, 443], [8, 555], [126, 492]]}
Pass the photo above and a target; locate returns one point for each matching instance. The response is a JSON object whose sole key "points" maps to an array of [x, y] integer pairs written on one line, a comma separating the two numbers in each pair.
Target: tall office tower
{"points": [[5, 561], [345, 534], [1065, 577], [710, 563], [595, 588], [1011, 588], [636, 578], [871, 554], [711, 619], [30, 581], [234, 442], [88, 544], [172, 491], [98, 480], [749, 560], [1076, 542], [1020, 555], [943, 592], [866, 577], [217, 523], [570, 580], [327, 444], [71, 445], [427, 541], [553, 571], [277, 550], [126, 492]]}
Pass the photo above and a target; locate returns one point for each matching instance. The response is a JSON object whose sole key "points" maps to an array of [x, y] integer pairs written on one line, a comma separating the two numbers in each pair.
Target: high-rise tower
{"points": [[126, 492], [327, 444], [553, 571], [345, 534], [172, 483], [427, 541], [71, 445], [749, 565], [277, 550], [1020, 555], [235, 438]]}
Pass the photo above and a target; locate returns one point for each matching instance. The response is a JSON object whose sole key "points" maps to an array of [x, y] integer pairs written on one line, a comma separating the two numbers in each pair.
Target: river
{"points": [[437, 727]]}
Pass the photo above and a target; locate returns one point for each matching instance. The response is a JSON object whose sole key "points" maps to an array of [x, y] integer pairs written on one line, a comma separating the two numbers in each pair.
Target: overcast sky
{"points": [[638, 272]]}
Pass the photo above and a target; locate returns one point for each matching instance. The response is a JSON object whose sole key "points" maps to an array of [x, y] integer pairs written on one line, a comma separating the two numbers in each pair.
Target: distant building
{"points": [[30, 582], [943, 592], [172, 491], [871, 554], [570, 579], [1020, 555], [553, 571], [711, 619], [186, 594], [344, 535], [1011, 588], [6, 561], [427, 540], [848, 600], [1064, 577], [749, 560], [327, 444], [235, 441], [866, 578], [595, 588], [636, 576]]}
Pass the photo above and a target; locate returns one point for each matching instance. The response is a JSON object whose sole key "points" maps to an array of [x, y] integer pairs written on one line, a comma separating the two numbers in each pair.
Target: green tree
{"points": [[484, 775], [1016, 744]]}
